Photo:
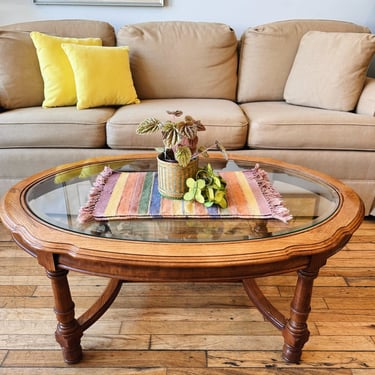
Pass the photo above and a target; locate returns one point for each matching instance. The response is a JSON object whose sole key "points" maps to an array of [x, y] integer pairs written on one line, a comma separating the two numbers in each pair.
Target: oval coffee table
{"points": [[41, 212]]}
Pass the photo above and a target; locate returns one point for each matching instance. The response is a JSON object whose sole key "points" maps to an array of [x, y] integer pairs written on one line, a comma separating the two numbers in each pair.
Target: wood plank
{"points": [[331, 315], [340, 343], [197, 328], [26, 341], [111, 327], [347, 262], [17, 290], [158, 289], [53, 358], [217, 342], [269, 370], [264, 343], [348, 271], [146, 314], [361, 281], [290, 280], [315, 359], [100, 341], [159, 302], [21, 302], [350, 304], [349, 254], [327, 292], [75, 280], [82, 371], [346, 328], [361, 245]]}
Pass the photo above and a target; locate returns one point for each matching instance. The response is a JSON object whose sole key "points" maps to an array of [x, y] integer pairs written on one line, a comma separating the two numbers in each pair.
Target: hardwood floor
{"points": [[191, 329]]}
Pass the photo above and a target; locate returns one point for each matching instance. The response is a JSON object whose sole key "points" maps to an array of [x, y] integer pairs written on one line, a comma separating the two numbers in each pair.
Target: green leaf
{"points": [[195, 190], [190, 182], [211, 194], [170, 134], [209, 169], [220, 199], [201, 183], [223, 203], [183, 155], [199, 197], [188, 196], [217, 181], [149, 125], [209, 188]]}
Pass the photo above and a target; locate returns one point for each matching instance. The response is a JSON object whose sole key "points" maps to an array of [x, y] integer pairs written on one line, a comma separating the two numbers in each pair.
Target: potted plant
{"points": [[178, 159]]}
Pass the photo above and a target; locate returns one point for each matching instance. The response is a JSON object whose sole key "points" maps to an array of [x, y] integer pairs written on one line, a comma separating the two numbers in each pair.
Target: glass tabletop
{"points": [[56, 200]]}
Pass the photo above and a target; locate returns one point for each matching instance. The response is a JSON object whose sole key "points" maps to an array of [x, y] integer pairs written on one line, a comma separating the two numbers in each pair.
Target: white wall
{"points": [[237, 13]]}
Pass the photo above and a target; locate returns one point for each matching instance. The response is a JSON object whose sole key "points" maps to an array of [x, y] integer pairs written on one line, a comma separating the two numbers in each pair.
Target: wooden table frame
{"points": [[59, 251]]}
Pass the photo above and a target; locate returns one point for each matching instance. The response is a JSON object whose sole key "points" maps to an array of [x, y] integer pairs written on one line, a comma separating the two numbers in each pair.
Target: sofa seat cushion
{"points": [[223, 119], [278, 125], [177, 59], [54, 127]]}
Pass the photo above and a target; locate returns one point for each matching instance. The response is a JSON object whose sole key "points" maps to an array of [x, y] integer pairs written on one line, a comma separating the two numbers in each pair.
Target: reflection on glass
{"points": [[57, 200]]}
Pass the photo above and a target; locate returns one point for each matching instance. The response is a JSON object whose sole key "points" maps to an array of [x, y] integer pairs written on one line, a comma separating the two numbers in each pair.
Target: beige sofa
{"points": [[269, 95]]}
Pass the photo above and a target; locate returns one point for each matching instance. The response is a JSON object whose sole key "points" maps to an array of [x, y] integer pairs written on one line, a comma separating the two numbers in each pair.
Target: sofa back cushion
{"points": [[366, 101], [177, 59], [21, 83], [268, 52], [69, 29], [329, 70]]}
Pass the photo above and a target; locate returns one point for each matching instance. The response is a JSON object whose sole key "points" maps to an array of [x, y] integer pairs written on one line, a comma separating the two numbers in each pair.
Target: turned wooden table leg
{"points": [[69, 332], [295, 332]]}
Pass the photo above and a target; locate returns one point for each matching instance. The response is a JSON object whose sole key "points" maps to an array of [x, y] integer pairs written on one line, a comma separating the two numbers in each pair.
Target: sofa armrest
{"points": [[366, 102]]}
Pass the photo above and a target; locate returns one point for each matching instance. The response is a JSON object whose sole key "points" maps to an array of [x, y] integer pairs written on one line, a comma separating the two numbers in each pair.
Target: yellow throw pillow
{"points": [[59, 84], [102, 75]]}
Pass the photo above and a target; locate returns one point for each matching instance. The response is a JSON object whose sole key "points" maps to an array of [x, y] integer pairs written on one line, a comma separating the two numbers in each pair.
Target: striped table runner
{"points": [[131, 195]]}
